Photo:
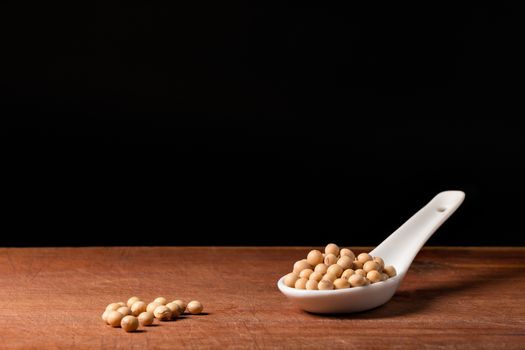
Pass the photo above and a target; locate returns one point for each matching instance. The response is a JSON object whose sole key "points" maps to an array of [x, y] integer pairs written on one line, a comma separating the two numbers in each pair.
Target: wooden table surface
{"points": [[468, 298]]}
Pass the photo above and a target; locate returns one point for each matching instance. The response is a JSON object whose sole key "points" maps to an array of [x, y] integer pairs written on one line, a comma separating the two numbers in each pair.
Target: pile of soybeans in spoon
{"points": [[337, 269]]}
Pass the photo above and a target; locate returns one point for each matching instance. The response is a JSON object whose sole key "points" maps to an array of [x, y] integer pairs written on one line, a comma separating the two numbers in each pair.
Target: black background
{"points": [[146, 123]]}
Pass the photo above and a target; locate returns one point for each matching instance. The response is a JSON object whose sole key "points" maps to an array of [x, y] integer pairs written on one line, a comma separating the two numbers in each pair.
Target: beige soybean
{"points": [[131, 301], [341, 283], [332, 248], [347, 273], [124, 310], [364, 257], [146, 318], [356, 280], [312, 284], [380, 261], [384, 276], [316, 276], [345, 262], [182, 305], [374, 276], [314, 257], [371, 265], [306, 273], [347, 252], [325, 285], [330, 259], [321, 268], [129, 323], [335, 270], [152, 306], [194, 307], [160, 301], [301, 283], [138, 307], [162, 313], [112, 307], [357, 265], [175, 310], [114, 318], [300, 265], [105, 315], [360, 272], [121, 303], [390, 271], [330, 277], [290, 279]]}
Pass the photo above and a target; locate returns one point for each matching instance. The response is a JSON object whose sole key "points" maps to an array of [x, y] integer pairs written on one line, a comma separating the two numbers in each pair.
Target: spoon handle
{"points": [[402, 246]]}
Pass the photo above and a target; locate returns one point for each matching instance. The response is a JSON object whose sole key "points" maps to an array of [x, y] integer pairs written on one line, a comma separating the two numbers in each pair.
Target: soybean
{"points": [[314, 257], [335, 269], [325, 285], [162, 313], [152, 306], [114, 318], [341, 283], [138, 307], [345, 262], [312, 284], [195, 307], [364, 257], [290, 279], [360, 272], [347, 252], [330, 277], [129, 323], [330, 259], [321, 268], [374, 276], [146, 318], [124, 310], [357, 265], [332, 248], [160, 301], [390, 271], [301, 283], [105, 315], [306, 273], [347, 273], [371, 265], [175, 310], [356, 280], [132, 300], [182, 305], [113, 306], [380, 261], [316, 276], [300, 266]]}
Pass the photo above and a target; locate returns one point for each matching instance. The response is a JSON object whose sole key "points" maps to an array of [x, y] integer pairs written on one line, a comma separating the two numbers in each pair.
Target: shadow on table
{"points": [[410, 301]]}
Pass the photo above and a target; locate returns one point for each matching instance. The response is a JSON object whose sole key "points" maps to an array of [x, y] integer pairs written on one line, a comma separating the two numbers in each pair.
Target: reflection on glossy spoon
{"points": [[399, 250]]}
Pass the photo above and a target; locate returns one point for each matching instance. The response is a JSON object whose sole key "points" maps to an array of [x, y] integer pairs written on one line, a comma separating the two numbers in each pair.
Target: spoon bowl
{"points": [[399, 250]]}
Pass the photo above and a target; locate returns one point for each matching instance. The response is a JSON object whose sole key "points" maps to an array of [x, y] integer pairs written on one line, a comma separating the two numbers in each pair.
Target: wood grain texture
{"points": [[52, 298]]}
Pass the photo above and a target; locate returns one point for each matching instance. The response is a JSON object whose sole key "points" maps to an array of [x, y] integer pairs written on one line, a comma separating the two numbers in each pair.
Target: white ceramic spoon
{"points": [[399, 250]]}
